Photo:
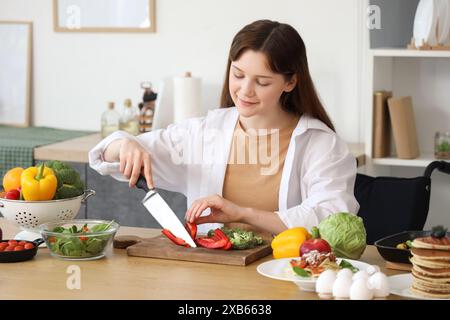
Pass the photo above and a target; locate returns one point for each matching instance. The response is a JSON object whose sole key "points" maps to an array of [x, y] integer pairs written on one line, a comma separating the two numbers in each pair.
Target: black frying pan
{"points": [[387, 246], [23, 255]]}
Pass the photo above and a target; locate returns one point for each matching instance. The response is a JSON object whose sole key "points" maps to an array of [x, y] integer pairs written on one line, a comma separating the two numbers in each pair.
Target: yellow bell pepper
{"points": [[287, 244], [38, 183]]}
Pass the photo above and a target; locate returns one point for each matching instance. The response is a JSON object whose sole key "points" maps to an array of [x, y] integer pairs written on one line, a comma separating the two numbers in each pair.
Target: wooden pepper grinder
{"points": [[147, 108]]}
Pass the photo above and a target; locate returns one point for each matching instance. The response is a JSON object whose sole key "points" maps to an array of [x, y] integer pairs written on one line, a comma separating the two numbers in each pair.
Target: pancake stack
{"points": [[431, 267]]}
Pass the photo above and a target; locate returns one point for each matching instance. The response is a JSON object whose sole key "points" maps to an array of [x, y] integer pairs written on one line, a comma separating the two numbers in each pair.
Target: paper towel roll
{"points": [[164, 105], [187, 98]]}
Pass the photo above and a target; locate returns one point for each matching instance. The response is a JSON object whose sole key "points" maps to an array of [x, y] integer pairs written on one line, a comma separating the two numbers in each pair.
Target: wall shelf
{"points": [[392, 52], [421, 162]]}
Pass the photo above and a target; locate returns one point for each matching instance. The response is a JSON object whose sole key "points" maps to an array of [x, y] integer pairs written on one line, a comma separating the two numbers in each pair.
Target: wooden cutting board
{"points": [[161, 247]]}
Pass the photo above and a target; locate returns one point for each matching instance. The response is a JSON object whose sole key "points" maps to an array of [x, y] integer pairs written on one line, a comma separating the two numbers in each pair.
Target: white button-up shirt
{"points": [[317, 180]]}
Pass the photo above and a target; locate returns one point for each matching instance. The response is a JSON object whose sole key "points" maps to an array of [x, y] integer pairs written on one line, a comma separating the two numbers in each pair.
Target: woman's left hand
{"points": [[222, 211]]}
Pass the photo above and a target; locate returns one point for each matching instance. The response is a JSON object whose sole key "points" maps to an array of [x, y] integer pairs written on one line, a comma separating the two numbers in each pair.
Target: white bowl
{"points": [[28, 215]]}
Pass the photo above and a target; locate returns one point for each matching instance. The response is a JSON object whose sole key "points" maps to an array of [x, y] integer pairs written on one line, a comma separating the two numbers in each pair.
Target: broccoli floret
{"points": [[69, 181], [67, 191], [241, 239]]}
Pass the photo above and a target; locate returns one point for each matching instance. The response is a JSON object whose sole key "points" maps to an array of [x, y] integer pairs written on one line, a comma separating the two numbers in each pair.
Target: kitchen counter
{"points": [[76, 150], [121, 277]]}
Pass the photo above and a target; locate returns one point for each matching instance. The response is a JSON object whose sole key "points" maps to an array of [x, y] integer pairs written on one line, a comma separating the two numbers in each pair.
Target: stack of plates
{"points": [[432, 23]]}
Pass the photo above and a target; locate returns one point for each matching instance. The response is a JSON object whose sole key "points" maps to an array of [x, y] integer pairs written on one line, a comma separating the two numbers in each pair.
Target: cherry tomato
{"points": [[22, 243], [3, 246], [28, 246], [9, 248], [12, 242], [83, 238], [18, 248]]}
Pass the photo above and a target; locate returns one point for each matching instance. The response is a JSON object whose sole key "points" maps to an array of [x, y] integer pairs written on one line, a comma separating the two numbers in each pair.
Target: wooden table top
{"points": [[121, 277], [76, 150]]}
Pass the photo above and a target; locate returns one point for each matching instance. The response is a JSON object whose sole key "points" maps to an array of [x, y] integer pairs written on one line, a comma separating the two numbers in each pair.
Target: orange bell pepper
{"points": [[38, 183]]}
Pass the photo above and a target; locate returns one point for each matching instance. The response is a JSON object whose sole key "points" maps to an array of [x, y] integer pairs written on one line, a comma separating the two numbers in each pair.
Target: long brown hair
{"points": [[286, 55]]}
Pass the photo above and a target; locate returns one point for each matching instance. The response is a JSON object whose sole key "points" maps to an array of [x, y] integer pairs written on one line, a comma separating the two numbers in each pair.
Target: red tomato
{"points": [[9, 248], [28, 246], [22, 243], [18, 248], [84, 238], [3, 246], [12, 242]]}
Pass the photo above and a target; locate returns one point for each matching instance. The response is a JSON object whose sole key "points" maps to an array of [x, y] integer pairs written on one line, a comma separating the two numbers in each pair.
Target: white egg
{"points": [[372, 269], [379, 283], [360, 290], [361, 274], [324, 284], [345, 273], [341, 287]]}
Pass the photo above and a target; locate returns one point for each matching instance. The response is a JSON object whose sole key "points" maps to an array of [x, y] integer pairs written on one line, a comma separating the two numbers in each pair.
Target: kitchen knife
{"points": [[161, 211]]}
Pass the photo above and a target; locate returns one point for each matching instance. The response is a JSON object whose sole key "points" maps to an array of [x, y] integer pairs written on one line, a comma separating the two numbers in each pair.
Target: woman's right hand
{"points": [[134, 161]]}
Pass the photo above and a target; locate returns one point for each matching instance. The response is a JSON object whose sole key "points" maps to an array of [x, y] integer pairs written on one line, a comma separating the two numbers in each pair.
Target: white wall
{"points": [[75, 74]]}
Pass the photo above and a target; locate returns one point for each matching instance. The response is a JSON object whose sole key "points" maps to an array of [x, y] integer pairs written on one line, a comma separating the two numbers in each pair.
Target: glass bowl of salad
{"points": [[83, 239]]}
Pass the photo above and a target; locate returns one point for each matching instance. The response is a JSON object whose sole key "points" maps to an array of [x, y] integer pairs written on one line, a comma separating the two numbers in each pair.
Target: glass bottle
{"points": [[110, 120], [129, 120], [147, 108], [442, 145]]}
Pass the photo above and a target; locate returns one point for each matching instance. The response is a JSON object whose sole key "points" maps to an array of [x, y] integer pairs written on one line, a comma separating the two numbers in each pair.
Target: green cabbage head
{"points": [[345, 233]]}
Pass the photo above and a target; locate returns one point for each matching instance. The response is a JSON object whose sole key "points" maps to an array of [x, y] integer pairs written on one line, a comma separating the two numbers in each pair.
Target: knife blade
{"points": [[162, 213]]}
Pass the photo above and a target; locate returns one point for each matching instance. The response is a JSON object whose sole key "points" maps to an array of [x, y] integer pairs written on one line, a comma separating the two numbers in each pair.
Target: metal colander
{"points": [[30, 214]]}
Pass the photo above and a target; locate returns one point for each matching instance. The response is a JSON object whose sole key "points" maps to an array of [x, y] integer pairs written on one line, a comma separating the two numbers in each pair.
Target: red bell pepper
{"points": [[227, 246], [174, 239], [218, 241], [211, 243], [191, 229]]}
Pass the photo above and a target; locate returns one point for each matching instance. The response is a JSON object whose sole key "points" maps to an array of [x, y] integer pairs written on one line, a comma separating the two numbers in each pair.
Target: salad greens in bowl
{"points": [[82, 239]]}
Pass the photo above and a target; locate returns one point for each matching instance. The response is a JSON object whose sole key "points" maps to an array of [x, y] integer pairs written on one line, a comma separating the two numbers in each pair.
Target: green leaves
{"points": [[347, 265], [301, 272], [78, 242]]}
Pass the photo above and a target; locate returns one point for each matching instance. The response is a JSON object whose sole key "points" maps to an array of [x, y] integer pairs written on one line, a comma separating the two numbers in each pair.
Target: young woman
{"points": [[269, 158]]}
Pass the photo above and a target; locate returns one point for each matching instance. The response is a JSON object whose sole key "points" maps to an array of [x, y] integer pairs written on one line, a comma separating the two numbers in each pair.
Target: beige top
{"points": [[253, 173]]}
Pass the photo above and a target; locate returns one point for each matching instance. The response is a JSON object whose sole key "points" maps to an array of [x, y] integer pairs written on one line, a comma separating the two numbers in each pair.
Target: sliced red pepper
{"points": [[191, 229], [299, 263], [227, 246], [220, 233], [174, 239], [211, 243]]}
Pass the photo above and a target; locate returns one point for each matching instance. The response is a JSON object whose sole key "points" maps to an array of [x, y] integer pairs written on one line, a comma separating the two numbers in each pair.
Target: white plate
{"points": [[425, 23], [401, 284], [280, 269]]}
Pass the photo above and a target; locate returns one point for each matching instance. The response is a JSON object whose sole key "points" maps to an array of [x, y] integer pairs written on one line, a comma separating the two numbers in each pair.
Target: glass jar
{"points": [[442, 145], [110, 120], [129, 120]]}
